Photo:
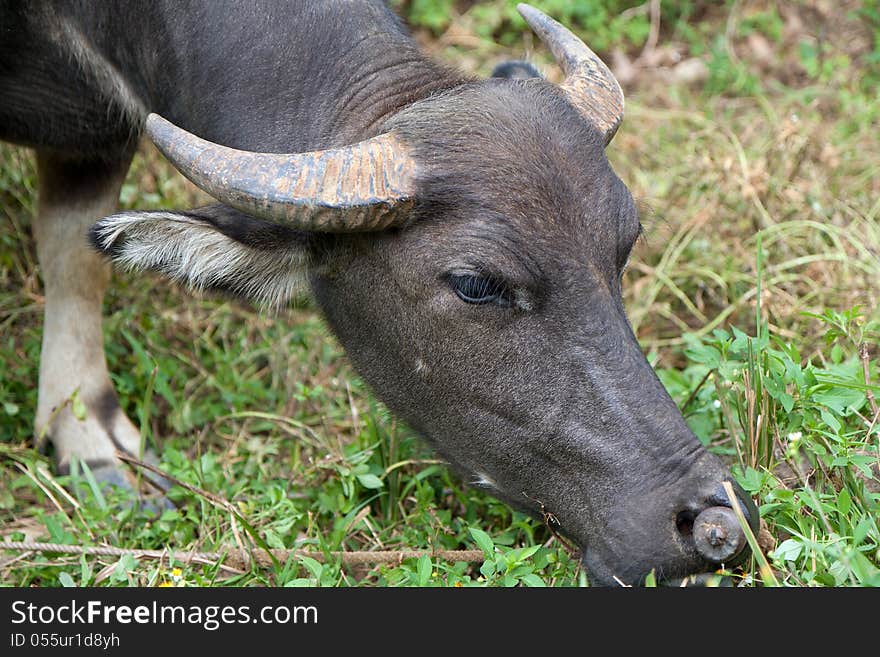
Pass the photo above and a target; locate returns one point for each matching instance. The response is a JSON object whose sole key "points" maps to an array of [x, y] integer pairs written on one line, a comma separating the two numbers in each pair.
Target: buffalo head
{"points": [[469, 255]]}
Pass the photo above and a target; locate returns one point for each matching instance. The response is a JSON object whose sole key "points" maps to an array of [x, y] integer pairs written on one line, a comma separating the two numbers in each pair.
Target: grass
{"points": [[754, 293]]}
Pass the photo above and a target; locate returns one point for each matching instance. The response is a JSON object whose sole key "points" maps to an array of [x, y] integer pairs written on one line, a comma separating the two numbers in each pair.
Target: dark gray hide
{"points": [[490, 320]]}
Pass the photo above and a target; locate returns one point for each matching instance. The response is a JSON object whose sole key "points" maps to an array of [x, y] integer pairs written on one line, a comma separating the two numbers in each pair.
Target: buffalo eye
{"points": [[480, 290]]}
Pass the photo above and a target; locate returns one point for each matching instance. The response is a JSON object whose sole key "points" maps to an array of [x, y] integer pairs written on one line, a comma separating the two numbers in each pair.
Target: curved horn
{"points": [[355, 188], [590, 86]]}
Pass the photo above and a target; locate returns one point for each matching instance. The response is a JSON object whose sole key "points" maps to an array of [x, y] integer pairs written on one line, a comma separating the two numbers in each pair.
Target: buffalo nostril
{"points": [[685, 522], [717, 534]]}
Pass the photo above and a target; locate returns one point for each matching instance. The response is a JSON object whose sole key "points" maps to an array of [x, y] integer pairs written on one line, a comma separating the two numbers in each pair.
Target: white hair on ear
{"points": [[483, 480], [196, 253]]}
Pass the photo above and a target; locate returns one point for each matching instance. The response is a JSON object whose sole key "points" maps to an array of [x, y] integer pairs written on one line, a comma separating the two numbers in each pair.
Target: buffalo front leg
{"points": [[78, 410]]}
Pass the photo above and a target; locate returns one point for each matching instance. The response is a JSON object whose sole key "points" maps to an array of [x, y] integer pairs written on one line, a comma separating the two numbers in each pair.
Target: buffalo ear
{"points": [[209, 248], [516, 69]]}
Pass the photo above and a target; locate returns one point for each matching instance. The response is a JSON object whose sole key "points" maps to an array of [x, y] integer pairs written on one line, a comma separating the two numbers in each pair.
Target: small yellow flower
{"points": [[163, 585]]}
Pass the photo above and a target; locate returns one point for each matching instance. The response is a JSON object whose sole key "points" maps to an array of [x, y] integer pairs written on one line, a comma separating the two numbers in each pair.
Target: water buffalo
{"points": [[464, 239]]}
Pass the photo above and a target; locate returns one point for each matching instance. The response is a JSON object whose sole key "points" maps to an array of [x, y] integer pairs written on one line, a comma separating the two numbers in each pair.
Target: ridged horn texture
{"points": [[589, 85], [363, 187]]}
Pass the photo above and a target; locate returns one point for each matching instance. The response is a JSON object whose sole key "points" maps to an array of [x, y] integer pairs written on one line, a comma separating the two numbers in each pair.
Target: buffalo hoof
{"points": [[112, 476]]}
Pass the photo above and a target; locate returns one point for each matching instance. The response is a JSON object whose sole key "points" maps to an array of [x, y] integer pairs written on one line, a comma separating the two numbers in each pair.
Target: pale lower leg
{"points": [[72, 362]]}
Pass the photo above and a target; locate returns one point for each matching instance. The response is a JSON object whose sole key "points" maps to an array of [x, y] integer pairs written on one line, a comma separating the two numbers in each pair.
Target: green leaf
{"points": [[424, 570], [483, 541], [861, 530], [522, 554], [123, 567], [85, 570], [844, 501], [94, 486], [370, 481], [313, 566], [774, 386], [787, 401], [78, 407], [751, 480], [66, 580], [788, 550], [839, 399], [273, 539], [863, 569], [57, 533], [299, 582], [830, 420], [864, 463], [701, 353], [541, 559], [10, 408], [533, 580]]}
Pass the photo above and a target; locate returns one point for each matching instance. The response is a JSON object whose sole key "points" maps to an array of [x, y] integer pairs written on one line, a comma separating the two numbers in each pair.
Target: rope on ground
{"points": [[237, 558]]}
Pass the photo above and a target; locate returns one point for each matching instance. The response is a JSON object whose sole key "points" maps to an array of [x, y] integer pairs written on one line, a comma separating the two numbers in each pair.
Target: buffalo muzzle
{"points": [[718, 536]]}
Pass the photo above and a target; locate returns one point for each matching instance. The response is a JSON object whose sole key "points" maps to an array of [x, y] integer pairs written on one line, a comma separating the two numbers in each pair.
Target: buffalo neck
{"points": [[267, 75]]}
